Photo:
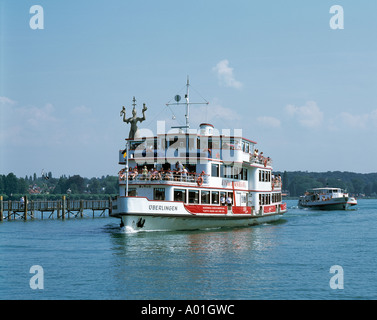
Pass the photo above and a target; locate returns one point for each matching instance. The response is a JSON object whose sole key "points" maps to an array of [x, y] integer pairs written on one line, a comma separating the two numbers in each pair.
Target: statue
{"points": [[133, 120]]}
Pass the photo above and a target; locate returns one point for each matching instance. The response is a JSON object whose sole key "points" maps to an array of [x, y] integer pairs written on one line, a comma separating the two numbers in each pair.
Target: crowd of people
{"points": [[179, 174], [260, 158]]}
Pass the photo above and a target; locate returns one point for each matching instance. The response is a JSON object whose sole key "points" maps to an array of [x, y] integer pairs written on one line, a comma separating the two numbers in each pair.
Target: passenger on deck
{"points": [[155, 175], [184, 174], [168, 175], [134, 174], [222, 200], [229, 202], [145, 173]]}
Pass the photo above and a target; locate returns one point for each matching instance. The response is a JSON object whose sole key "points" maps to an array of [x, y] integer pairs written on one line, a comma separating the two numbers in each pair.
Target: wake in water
{"points": [[128, 229]]}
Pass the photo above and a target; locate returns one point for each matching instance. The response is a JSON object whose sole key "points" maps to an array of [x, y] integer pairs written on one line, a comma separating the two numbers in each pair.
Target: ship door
{"points": [[249, 199], [239, 201]]}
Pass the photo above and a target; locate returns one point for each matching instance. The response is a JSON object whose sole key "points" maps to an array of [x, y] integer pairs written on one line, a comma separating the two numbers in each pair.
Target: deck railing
{"points": [[160, 177]]}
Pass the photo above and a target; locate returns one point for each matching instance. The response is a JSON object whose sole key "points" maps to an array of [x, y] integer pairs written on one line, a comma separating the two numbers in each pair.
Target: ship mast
{"points": [[187, 105], [177, 98]]}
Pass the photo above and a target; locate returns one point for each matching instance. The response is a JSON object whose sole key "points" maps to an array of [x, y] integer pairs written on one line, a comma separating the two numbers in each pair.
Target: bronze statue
{"points": [[133, 120]]}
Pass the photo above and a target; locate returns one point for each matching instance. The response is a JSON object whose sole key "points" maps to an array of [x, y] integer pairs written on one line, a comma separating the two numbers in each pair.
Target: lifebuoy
{"points": [[199, 181]]}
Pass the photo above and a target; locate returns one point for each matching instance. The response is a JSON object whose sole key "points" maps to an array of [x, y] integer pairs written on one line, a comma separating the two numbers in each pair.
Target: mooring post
{"points": [[110, 205], [81, 208], [63, 207], [9, 210], [31, 208], [25, 208], [1, 209], [58, 209]]}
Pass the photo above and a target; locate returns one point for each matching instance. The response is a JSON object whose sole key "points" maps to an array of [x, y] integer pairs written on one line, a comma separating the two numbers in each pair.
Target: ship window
{"points": [[180, 195], [132, 192], [193, 196], [215, 197], [237, 172], [244, 174], [159, 194], [215, 170], [228, 172], [204, 197]]}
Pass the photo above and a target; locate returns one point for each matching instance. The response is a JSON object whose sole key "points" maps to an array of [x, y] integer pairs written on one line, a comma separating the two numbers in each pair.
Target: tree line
{"points": [[295, 183], [47, 187]]}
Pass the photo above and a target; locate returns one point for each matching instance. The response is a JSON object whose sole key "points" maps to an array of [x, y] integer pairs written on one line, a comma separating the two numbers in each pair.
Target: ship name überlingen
{"points": [[189, 179]]}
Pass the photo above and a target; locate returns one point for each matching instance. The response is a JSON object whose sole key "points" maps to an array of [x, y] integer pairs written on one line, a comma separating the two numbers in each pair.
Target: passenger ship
{"points": [[327, 199], [187, 179]]}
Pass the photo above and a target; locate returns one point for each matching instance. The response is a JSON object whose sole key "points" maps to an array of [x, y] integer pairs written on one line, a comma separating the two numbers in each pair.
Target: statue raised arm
{"points": [[133, 120]]}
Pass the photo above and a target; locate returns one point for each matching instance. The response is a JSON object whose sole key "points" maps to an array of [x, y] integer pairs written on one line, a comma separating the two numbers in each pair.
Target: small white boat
{"points": [[327, 199]]}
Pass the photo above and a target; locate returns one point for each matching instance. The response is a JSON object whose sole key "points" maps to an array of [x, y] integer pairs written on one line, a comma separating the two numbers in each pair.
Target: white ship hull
{"points": [[327, 199], [140, 214], [333, 204]]}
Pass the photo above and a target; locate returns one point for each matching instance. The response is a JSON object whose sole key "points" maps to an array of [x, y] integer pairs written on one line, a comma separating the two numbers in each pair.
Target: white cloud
{"points": [[269, 121], [360, 121], [29, 125], [81, 111], [308, 115], [225, 75], [6, 101], [216, 114], [39, 116]]}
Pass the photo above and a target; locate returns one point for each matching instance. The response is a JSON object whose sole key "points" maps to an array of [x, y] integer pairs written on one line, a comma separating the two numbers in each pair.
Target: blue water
{"points": [[291, 259]]}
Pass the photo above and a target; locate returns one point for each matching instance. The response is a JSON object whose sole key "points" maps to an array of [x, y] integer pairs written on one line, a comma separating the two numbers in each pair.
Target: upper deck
{"points": [[197, 159], [194, 148]]}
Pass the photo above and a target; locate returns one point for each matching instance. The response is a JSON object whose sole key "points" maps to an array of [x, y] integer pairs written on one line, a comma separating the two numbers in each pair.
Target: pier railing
{"points": [[64, 208]]}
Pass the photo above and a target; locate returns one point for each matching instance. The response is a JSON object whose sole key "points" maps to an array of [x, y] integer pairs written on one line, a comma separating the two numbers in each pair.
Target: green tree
{"points": [[94, 186], [11, 184], [285, 180], [76, 184], [22, 186]]}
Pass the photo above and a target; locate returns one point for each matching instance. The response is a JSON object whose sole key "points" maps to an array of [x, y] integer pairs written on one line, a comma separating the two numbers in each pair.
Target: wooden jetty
{"points": [[60, 209]]}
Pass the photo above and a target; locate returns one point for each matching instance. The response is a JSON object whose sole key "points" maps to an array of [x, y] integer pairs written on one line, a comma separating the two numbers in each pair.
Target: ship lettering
{"points": [[162, 208]]}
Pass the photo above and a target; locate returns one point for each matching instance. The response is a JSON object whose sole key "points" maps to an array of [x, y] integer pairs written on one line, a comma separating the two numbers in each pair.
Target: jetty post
{"points": [[31, 209], [63, 207], [9, 210], [25, 208], [110, 206], [1, 209], [58, 206], [81, 208]]}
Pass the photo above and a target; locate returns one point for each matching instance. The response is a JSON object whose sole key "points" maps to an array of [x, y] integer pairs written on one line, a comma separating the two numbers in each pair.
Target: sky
{"points": [[296, 77]]}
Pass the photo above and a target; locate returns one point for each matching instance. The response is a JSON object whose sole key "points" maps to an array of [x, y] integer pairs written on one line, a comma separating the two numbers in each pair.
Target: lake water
{"points": [[291, 259]]}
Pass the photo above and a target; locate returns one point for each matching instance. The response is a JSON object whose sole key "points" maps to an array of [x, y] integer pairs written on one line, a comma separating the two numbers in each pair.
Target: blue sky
{"points": [[275, 69]]}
